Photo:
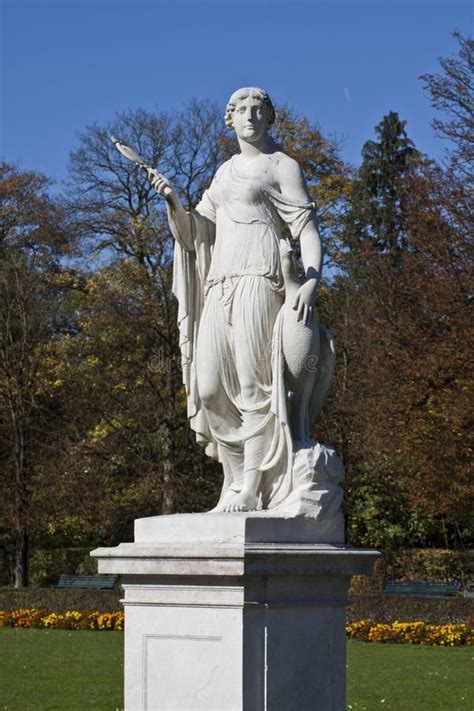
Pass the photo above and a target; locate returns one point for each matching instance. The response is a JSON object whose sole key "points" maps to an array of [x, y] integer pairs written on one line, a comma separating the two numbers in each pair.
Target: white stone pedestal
{"points": [[232, 612]]}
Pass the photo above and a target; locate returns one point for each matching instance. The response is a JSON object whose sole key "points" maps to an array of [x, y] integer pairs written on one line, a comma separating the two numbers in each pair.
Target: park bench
{"points": [[440, 589], [102, 582]]}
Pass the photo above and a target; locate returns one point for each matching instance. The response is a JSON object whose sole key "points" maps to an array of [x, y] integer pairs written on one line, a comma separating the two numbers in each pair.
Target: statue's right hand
{"points": [[159, 183]]}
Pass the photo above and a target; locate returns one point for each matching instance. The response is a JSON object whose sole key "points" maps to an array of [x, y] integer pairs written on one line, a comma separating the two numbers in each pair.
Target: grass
{"points": [[43, 670], [58, 669], [404, 677]]}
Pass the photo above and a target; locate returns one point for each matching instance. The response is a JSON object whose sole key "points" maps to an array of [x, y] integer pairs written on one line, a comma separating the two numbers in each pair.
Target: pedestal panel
{"points": [[182, 658]]}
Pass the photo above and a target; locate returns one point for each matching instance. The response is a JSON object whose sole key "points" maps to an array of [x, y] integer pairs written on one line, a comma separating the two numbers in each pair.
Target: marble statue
{"points": [[257, 365]]}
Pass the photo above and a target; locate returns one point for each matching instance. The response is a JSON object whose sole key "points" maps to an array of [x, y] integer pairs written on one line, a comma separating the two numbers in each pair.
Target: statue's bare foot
{"points": [[229, 497], [245, 501]]}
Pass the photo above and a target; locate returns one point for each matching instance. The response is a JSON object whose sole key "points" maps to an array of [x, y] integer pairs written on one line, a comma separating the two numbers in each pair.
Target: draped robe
{"points": [[230, 293]]}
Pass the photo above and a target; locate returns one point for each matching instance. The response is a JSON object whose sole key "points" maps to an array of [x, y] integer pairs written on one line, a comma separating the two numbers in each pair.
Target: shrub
{"points": [[46, 565], [425, 564], [417, 564]]}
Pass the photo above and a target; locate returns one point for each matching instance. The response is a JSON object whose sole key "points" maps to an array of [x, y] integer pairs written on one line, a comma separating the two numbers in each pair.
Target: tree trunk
{"points": [[21, 558], [167, 506], [21, 505], [169, 432]]}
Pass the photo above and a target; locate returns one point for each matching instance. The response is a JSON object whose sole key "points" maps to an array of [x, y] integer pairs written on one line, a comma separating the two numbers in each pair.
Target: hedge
{"points": [[60, 600], [390, 608]]}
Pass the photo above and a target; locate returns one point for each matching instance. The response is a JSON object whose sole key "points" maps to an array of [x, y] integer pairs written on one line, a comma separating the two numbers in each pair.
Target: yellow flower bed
{"points": [[453, 635], [70, 620]]}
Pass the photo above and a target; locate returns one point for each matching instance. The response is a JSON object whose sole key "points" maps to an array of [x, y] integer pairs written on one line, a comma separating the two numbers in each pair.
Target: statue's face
{"points": [[250, 119]]}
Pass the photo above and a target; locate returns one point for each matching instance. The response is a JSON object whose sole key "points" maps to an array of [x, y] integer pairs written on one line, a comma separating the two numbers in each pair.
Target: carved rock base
{"points": [[222, 620]]}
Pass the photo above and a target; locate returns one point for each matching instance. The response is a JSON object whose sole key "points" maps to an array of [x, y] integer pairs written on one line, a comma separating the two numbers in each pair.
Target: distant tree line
{"points": [[93, 427]]}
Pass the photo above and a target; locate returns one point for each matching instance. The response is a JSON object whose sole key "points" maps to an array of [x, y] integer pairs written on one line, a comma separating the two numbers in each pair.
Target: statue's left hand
{"points": [[303, 302]]}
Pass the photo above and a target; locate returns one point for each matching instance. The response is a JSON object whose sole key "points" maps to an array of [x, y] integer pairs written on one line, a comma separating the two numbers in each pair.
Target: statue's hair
{"points": [[244, 93]]}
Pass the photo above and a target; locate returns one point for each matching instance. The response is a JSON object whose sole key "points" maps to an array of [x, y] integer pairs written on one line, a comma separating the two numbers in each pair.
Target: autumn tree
{"points": [[452, 95], [398, 410], [33, 236], [129, 314]]}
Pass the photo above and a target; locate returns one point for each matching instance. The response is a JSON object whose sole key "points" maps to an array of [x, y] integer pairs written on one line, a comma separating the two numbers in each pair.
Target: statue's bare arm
{"points": [[292, 184], [178, 218]]}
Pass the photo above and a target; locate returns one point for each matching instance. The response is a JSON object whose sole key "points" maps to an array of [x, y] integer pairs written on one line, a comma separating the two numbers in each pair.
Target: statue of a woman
{"points": [[256, 365]]}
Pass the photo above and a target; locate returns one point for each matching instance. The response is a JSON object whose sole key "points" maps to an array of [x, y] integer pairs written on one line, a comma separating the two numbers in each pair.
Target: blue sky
{"points": [[344, 64]]}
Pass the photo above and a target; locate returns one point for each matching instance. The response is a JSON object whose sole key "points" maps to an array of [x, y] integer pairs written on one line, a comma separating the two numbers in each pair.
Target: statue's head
{"points": [[253, 105]]}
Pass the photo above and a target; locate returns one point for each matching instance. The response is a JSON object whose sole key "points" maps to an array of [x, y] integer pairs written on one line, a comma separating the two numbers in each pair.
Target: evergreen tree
{"points": [[377, 212]]}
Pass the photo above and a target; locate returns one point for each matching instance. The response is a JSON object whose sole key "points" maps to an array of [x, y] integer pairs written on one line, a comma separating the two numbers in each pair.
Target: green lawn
{"points": [[59, 669], [403, 677], [42, 670]]}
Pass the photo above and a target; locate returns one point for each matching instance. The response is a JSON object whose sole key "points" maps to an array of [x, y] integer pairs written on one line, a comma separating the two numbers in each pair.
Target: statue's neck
{"points": [[252, 150]]}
